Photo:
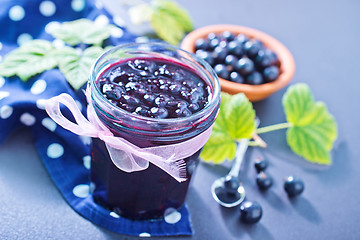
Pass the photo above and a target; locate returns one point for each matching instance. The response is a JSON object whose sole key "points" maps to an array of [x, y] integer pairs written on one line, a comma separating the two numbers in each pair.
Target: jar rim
{"points": [[206, 69]]}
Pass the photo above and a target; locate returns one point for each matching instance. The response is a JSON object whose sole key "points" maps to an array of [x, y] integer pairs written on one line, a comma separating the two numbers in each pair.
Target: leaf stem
{"points": [[274, 127]]}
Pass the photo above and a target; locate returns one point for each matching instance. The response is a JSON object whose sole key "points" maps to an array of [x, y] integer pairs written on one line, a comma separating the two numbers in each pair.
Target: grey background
{"points": [[323, 36]]}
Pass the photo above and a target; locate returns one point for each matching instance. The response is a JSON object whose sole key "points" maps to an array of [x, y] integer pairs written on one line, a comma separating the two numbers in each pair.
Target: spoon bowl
{"points": [[224, 197]]}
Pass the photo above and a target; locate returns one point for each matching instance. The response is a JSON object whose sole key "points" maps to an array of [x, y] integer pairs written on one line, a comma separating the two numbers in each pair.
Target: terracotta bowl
{"points": [[253, 92]]}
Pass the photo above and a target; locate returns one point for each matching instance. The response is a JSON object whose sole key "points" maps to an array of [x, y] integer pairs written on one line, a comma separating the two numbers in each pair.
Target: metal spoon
{"points": [[220, 191], [227, 190]]}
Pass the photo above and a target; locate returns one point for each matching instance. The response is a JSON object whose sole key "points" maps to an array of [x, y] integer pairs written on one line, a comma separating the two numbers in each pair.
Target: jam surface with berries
{"points": [[154, 88]]}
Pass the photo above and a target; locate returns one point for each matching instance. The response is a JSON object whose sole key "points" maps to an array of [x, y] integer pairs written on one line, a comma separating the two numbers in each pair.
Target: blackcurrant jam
{"points": [[150, 95]]}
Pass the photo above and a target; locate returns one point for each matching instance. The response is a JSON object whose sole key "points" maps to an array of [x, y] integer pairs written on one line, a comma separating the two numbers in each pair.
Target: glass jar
{"points": [[148, 193]]}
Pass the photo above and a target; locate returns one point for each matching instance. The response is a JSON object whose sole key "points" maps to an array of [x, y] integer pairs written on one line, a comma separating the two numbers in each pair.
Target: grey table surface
{"points": [[324, 38]]}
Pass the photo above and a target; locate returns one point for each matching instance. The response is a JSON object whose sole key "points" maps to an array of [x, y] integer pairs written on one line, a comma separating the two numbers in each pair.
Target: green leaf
{"points": [[314, 128], [29, 59], [76, 65], [167, 27], [218, 148], [176, 11], [235, 121], [82, 31]]}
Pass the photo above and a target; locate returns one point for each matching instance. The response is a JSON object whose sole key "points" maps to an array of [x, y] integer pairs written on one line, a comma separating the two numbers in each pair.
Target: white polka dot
{"points": [[49, 124], [4, 94], [172, 216], [114, 214], [85, 139], [51, 26], [78, 5], [82, 190], [87, 161], [16, 13], [79, 51], [141, 40], [38, 87], [40, 103], [27, 119], [92, 187], [23, 38], [58, 43], [55, 150], [144, 234], [99, 4], [101, 20], [117, 32], [6, 111], [47, 8], [2, 81], [119, 21]]}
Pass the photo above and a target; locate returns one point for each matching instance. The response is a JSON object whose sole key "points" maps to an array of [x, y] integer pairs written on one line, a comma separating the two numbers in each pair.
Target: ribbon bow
{"points": [[125, 155]]}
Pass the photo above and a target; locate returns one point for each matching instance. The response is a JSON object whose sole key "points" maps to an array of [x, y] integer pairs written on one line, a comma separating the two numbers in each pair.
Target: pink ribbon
{"points": [[125, 155]]}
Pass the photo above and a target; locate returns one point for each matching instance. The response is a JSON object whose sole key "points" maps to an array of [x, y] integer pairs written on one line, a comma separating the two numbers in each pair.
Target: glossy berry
{"points": [[236, 48], [271, 73], [250, 212], [263, 181], [266, 58], [236, 77], [220, 54], [293, 186], [231, 60], [202, 44], [231, 184], [154, 88], [228, 36], [212, 36], [222, 71], [241, 38], [206, 56], [214, 43], [245, 66], [255, 78], [261, 164], [252, 47]]}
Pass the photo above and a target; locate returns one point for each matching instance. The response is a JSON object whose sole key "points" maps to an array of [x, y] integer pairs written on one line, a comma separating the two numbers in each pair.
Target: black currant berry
{"points": [[293, 186], [264, 181], [250, 212], [261, 164]]}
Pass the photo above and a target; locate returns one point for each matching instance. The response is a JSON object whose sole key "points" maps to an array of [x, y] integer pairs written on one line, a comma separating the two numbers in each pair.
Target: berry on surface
{"points": [[250, 212], [261, 164], [263, 181], [293, 186]]}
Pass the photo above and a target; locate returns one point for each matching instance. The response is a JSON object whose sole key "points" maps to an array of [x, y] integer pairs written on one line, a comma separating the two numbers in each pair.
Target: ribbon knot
{"points": [[125, 155]]}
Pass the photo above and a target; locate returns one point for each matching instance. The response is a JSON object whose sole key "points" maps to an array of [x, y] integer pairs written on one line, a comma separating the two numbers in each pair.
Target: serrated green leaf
{"points": [[240, 117], [314, 128], [167, 27], [82, 31], [176, 11], [218, 148], [29, 59], [235, 121], [76, 66]]}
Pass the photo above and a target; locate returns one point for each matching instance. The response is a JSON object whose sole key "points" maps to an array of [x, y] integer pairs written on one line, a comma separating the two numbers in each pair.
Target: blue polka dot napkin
{"points": [[64, 154]]}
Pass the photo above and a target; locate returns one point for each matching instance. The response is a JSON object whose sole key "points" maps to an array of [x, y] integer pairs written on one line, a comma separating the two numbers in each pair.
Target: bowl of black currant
{"points": [[245, 59]]}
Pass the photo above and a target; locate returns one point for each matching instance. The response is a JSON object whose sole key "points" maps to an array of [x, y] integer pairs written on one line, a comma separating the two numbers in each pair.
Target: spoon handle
{"points": [[240, 153]]}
